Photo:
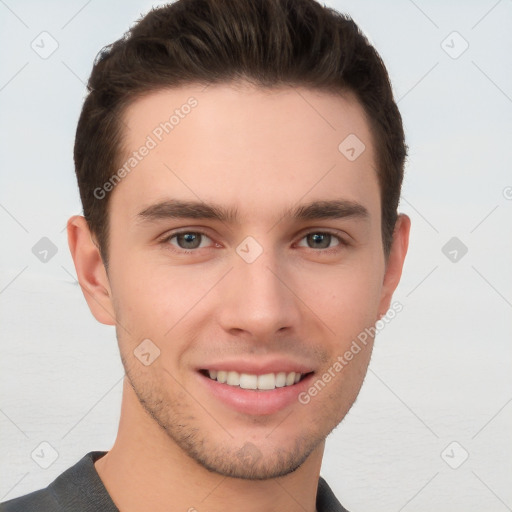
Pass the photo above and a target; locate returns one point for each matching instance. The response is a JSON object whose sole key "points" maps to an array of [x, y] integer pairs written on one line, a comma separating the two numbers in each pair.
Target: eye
{"points": [[322, 240], [187, 241]]}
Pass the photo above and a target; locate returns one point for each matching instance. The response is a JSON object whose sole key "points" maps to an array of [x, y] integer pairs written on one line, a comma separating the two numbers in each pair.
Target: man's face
{"points": [[261, 293]]}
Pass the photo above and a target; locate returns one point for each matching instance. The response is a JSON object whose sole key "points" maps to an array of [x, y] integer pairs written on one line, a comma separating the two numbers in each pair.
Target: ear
{"points": [[395, 261], [90, 270]]}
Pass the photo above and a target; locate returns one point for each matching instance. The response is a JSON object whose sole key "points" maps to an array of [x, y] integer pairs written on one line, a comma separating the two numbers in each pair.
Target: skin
{"points": [[259, 151]]}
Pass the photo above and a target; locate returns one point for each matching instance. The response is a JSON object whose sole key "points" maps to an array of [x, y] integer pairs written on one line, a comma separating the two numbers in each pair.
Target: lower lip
{"points": [[255, 402]]}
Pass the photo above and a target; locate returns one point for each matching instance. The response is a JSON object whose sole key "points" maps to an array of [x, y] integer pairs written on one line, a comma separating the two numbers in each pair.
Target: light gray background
{"points": [[440, 372]]}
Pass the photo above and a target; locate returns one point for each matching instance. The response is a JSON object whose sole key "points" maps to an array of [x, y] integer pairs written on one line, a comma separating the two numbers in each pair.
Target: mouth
{"points": [[251, 386], [254, 382], [261, 393]]}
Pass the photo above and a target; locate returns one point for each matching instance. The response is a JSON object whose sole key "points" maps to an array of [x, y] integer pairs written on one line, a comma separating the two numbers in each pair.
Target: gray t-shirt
{"points": [[80, 489]]}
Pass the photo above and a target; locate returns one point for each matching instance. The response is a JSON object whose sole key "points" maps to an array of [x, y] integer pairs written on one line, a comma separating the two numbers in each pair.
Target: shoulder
{"points": [[326, 501], [42, 500], [79, 488]]}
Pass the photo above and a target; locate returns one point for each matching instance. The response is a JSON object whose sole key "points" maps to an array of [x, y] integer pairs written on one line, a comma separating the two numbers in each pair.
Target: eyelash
{"points": [[330, 250]]}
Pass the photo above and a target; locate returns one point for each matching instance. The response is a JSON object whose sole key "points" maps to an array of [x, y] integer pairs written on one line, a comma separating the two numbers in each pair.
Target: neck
{"points": [[146, 470]]}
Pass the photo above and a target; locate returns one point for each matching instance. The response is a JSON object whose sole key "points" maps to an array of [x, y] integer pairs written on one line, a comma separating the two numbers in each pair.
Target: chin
{"points": [[249, 462]]}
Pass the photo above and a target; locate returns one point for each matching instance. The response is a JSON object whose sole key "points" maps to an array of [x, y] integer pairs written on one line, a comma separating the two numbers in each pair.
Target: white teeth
{"points": [[280, 380], [267, 381], [290, 378], [233, 379], [248, 381]]}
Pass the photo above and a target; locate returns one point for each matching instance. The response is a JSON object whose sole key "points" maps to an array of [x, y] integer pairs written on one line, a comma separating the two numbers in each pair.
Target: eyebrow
{"points": [[315, 210]]}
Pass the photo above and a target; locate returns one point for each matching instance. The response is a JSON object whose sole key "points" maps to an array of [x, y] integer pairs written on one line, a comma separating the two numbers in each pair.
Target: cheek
{"points": [[152, 297], [345, 297]]}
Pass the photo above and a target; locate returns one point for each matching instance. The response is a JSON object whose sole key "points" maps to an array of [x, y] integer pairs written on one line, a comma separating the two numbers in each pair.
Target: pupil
{"points": [[324, 240], [190, 238]]}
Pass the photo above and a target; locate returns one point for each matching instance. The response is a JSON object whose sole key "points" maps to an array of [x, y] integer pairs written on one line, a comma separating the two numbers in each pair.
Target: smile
{"points": [[265, 382]]}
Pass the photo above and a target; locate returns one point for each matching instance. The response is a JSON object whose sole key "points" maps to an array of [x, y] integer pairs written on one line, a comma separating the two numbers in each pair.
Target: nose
{"points": [[257, 299]]}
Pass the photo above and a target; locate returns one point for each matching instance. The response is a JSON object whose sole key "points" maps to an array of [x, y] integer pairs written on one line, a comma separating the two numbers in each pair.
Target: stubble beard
{"points": [[227, 457]]}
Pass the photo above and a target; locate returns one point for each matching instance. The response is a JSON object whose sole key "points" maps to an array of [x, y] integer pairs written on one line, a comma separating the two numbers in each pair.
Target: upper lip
{"points": [[258, 367]]}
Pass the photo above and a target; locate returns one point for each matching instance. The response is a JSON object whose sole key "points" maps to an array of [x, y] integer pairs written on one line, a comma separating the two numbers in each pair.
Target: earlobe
{"points": [[90, 270], [395, 262]]}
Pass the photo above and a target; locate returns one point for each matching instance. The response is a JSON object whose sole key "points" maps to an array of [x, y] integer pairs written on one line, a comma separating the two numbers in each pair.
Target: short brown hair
{"points": [[266, 42]]}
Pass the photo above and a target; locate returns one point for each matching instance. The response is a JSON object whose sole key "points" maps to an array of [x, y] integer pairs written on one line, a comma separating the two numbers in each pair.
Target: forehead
{"points": [[246, 147]]}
